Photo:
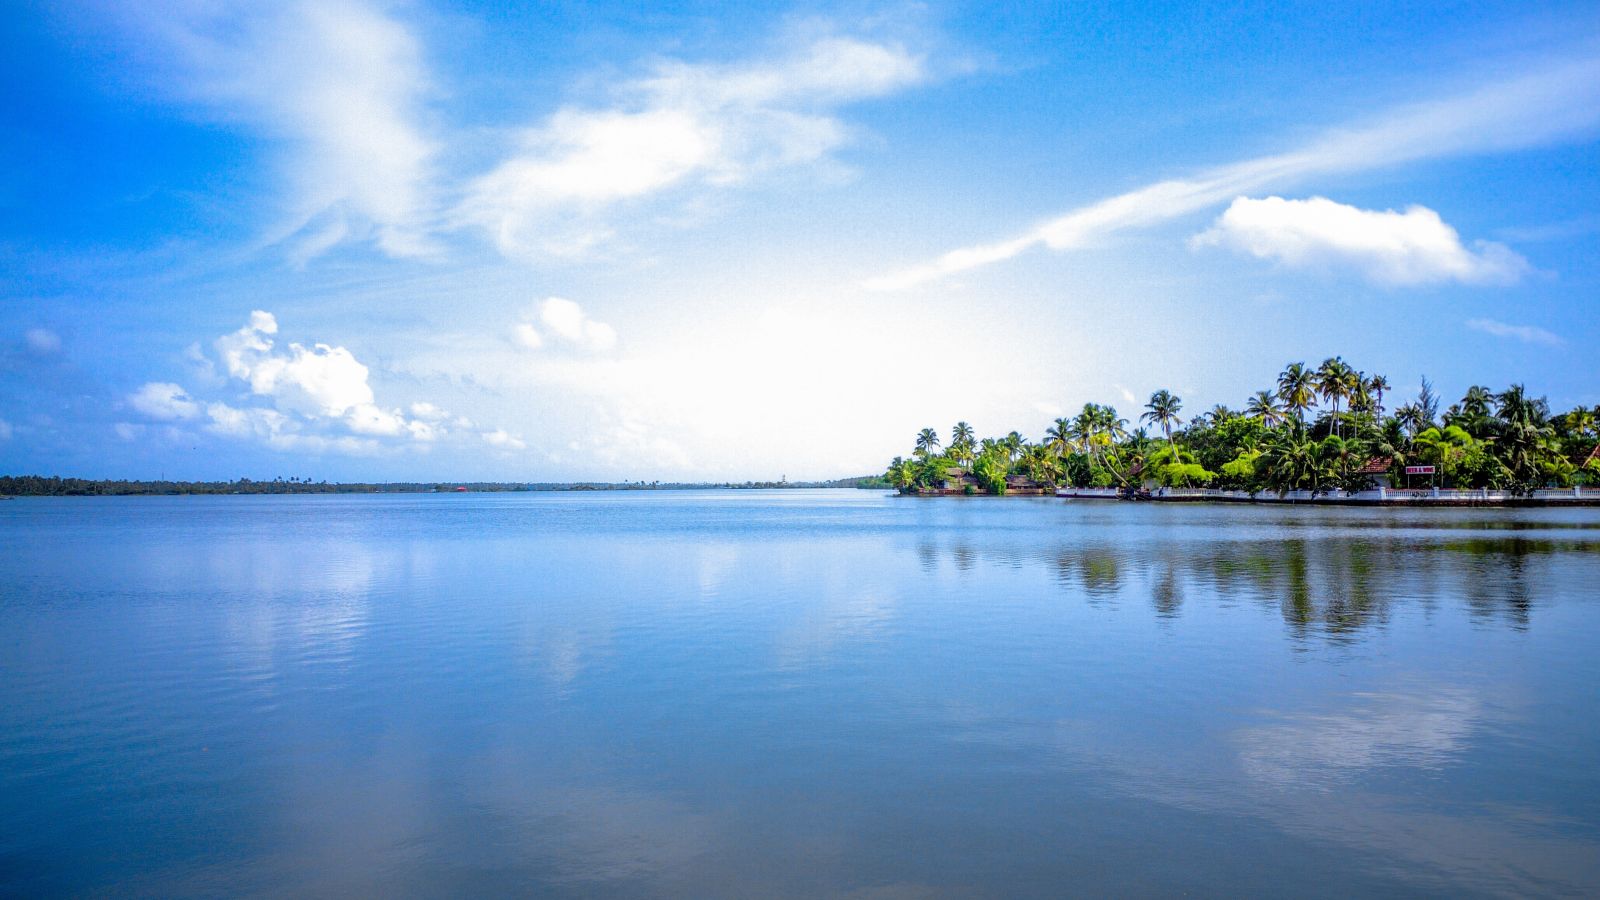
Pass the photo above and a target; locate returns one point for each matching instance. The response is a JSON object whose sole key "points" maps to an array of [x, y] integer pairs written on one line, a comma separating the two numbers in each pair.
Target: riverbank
{"points": [[1425, 497]]}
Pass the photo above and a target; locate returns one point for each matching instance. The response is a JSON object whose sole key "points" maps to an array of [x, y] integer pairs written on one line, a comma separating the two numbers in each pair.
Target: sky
{"points": [[355, 240]]}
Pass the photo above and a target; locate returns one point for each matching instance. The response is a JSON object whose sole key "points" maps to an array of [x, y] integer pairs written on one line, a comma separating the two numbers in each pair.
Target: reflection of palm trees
{"points": [[1167, 592]]}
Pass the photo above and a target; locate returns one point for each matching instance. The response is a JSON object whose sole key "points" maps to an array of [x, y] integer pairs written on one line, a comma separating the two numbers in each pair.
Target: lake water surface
{"points": [[794, 693]]}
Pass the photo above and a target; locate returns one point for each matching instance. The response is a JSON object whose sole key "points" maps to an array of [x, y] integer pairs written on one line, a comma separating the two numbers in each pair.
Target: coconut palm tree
{"points": [[1409, 415], [1264, 408], [1333, 380], [902, 474], [1163, 410], [1014, 444], [1058, 437], [927, 442], [1583, 422], [1525, 431], [1376, 385], [1295, 390], [1289, 461], [961, 443]]}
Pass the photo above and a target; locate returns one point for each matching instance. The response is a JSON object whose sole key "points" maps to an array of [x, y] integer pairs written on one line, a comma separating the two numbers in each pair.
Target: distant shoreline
{"points": [[54, 486]]}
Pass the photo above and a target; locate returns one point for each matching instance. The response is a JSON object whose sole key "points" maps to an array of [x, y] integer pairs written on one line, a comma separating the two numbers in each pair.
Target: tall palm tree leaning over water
{"points": [[1163, 411]]}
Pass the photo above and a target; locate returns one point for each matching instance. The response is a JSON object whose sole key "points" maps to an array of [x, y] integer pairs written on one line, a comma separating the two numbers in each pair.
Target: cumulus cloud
{"points": [[315, 398], [567, 324], [1389, 247], [501, 439], [1526, 333], [164, 401], [279, 430], [317, 382], [713, 125], [1540, 106]]}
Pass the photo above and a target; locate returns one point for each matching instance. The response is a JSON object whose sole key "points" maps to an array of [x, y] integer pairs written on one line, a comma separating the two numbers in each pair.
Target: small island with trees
{"points": [[1318, 435]]}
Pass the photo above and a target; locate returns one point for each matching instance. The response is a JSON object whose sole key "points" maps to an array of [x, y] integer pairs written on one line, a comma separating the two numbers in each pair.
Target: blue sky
{"points": [[359, 240]]}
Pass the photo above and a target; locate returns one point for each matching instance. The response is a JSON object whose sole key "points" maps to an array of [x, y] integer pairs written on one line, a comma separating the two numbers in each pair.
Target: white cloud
{"points": [[503, 440], [524, 335], [128, 431], [280, 431], [42, 341], [165, 401], [705, 124], [5, 430], [339, 84], [1525, 333], [1548, 104], [1396, 248], [566, 322], [321, 381], [320, 398]]}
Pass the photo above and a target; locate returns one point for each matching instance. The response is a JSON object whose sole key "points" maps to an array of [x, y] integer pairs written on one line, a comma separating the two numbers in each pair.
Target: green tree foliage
{"points": [[1495, 440]]}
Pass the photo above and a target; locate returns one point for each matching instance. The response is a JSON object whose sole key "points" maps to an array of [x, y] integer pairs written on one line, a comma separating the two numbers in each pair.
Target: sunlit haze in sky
{"points": [[548, 242]]}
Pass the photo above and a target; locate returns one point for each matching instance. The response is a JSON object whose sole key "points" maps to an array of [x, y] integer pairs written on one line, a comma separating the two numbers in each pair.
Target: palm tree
{"points": [[1219, 414], [902, 474], [1059, 437], [1295, 390], [1333, 381], [1163, 410], [1525, 431], [1377, 384], [927, 442], [1042, 465], [1013, 444], [1409, 415], [1290, 462], [1582, 422], [961, 442], [1264, 408]]}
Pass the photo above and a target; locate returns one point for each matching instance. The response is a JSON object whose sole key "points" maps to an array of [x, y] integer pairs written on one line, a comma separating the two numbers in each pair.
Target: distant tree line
{"points": [[1315, 429], [52, 486]]}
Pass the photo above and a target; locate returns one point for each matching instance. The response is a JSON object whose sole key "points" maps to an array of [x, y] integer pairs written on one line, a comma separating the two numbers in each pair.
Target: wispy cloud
{"points": [[684, 124], [1544, 105], [42, 342], [340, 87], [344, 89], [1525, 333], [1396, 248]]}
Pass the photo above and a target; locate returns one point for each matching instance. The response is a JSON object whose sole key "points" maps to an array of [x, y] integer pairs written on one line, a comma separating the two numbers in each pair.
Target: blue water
{"points": [[794, 693]]}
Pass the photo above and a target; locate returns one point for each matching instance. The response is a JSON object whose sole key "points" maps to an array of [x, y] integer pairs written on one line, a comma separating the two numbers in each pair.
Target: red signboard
{"points": [[1419, 470]]}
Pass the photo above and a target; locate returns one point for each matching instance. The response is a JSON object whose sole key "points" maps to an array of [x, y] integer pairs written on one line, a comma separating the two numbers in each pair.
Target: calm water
{"points": [[794, 693]]}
